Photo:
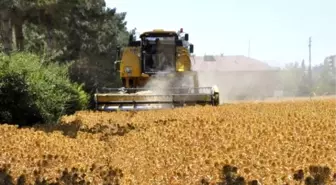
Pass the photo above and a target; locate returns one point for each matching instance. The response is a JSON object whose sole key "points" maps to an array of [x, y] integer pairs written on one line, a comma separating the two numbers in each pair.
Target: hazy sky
{"points": [[278, 30]]}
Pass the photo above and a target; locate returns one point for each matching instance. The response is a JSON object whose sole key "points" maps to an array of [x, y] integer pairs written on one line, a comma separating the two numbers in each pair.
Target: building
{"points": [[238, 77], [229, 63]]}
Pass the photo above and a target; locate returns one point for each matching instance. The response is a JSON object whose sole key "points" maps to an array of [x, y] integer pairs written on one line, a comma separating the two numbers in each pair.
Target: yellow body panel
{"points": [[130, 59], [159, 31], [183, 62]]}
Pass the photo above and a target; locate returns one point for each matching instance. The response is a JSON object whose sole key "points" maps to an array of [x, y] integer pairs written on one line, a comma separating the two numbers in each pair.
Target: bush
{"points": [[37, 89], [16, 104]]}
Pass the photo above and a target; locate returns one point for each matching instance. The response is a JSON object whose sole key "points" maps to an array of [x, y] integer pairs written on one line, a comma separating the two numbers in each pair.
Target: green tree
{"points": [[291, 77], [38, 92], [64, 28], [303, 86], [86, 32], [325, 82]]}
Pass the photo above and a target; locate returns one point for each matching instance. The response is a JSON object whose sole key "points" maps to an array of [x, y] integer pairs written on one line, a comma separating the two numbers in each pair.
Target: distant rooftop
{"points": [[228, 63]]}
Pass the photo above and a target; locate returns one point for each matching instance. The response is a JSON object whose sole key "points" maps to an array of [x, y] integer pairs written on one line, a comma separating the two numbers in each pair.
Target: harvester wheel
{"points": [[216, 99]]}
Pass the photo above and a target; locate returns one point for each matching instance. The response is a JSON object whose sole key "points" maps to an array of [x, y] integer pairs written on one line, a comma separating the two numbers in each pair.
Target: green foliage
{"points": [[83, 31], [325, 82], [291, 77], [61, 31], [40, 84], [15, 100], [26, 4], [65, 28], [296, 80], [72, 27]]}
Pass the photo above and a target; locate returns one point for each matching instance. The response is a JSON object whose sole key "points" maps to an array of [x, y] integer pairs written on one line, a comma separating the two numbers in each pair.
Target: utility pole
{"points": [[310, 68]]}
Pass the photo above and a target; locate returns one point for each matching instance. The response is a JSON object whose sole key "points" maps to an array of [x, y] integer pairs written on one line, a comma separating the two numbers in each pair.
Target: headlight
{"points": [[128, 70]]}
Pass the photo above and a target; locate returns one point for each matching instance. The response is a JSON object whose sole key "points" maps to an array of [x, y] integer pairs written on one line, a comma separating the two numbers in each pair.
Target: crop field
{"points": [[269, 143]]}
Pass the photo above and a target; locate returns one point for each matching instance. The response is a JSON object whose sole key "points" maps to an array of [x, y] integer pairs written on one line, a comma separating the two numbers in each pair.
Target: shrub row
{"points": [[34, 90]]}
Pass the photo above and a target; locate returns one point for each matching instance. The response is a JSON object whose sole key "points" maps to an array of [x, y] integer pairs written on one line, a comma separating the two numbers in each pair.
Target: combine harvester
{"points": [[156, 73]]}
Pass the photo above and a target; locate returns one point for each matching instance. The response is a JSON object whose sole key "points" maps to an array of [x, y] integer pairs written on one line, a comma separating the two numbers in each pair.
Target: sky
{"points": [[278, 31]]}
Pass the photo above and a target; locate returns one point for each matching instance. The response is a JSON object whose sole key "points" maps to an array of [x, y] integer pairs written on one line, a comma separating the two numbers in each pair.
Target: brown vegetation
{"points": [[267, 143]]}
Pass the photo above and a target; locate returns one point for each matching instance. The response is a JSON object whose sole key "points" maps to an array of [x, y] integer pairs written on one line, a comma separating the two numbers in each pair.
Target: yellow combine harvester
{"points": [[156, 73]]}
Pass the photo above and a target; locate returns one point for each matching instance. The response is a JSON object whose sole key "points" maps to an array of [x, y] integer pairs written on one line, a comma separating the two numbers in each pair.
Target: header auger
{"points": [[156, 73]]}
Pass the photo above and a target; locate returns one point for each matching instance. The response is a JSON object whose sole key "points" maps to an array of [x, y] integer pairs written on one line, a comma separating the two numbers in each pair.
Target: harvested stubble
{"points": [[265, 141]]}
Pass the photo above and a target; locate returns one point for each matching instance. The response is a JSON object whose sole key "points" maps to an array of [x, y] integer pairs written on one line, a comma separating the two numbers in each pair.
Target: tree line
{"points": [[53, 55], [299, 80]]}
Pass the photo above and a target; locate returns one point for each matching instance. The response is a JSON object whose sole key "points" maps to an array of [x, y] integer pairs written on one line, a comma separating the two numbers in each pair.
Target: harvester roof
{"points": [[158, 33]]}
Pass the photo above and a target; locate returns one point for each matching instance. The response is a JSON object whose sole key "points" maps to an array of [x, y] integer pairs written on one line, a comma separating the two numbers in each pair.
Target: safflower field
{"points": [[291, 142]]}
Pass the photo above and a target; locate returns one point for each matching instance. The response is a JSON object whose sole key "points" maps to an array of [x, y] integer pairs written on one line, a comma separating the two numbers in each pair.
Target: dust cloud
{"points": [[159, 83], [163, 83], [235, 86]]}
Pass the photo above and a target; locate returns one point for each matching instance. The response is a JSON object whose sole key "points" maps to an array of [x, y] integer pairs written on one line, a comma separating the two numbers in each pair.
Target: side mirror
{"points": [[118, 53], [117, 65], [186, 37], [191, 48]]}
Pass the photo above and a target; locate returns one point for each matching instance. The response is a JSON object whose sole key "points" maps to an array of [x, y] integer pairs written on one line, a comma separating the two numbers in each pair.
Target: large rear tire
{"points": [[216, 99]]}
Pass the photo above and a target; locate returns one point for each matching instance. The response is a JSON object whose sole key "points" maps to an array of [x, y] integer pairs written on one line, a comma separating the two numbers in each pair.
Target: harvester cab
{"points": [[156, 73]]}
